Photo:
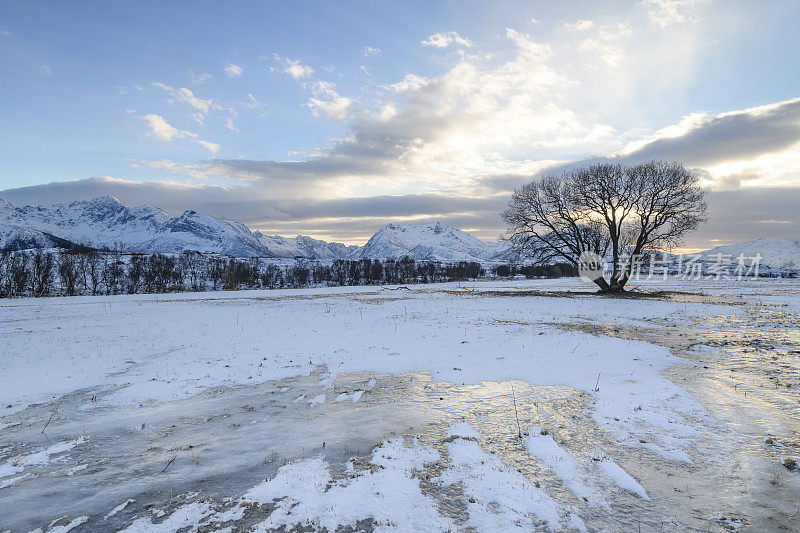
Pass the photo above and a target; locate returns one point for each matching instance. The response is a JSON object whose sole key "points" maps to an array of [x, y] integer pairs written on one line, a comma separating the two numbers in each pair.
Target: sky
{"points": [[332, 119]]}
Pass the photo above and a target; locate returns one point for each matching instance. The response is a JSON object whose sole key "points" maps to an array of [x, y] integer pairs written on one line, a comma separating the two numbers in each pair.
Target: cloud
{"points": [[745, 149], [198, 78], [705, 140], [671, 12], [211, 147], [160, 129], [186, 96], [370, 51], [230, 125], [253, 103], [443, 40], [233, 71], [409, 82], [439, 133], [172, 167], [45, 70], [6, 33], [749, 214], [606, 43], [328, 102], [292, 67], [579, 26]]}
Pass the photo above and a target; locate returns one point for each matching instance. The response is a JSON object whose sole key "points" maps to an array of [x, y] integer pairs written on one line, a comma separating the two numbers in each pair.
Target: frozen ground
{"points": [[492, 406]]}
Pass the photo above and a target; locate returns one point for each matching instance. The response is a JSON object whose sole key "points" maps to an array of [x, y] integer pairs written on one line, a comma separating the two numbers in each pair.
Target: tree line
{"points": [[85, 272]]}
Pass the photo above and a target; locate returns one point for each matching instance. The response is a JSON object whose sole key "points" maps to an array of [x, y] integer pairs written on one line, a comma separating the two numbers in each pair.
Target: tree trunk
{"points": [[619, 285], [603, 284]]}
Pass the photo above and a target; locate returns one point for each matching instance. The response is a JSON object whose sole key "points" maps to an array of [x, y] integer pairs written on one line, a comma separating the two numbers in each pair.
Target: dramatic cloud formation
{"points": [[732, 142], [453, 143]]}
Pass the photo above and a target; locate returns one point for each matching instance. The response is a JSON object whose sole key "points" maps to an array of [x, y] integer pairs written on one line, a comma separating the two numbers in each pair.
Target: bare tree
{"points": [[41, 272], [94, 270], [68, 272], [18, 273], [192, 266], [626, 210], [113, 270], [5, 274]]}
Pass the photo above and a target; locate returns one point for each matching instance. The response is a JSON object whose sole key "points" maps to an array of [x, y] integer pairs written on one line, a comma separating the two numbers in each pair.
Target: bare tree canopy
{"points": [[623, 210]]}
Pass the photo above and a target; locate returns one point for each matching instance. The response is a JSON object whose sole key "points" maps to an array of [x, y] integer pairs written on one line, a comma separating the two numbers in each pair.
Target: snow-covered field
{"points": [[496, 406]]}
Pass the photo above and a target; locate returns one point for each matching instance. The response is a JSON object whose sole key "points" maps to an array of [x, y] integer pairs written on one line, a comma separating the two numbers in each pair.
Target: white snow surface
{"points": [[622, 478], [145, 351], [390, 496], [562, 463], [156, 348]]}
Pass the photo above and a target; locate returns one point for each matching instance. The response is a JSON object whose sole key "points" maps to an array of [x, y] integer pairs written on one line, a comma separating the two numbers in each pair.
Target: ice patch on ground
{"points": [[69, 525], [42, 457], [117, 509]]}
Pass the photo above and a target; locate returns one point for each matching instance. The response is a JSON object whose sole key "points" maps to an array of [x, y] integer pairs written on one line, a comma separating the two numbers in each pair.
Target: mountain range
{"points": [[105, 223]]}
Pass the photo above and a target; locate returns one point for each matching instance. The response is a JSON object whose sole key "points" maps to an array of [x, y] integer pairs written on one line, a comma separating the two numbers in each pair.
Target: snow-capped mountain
{"points": [[432, 242], [775, 253], [105, 223]]}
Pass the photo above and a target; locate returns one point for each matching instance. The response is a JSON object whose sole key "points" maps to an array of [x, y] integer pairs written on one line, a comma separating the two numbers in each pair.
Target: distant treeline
{"points": [[76, 272]]}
